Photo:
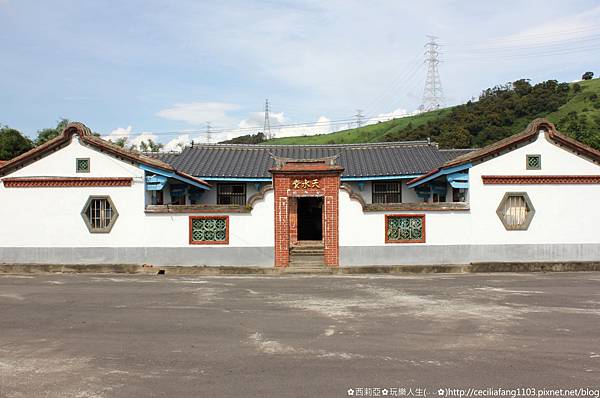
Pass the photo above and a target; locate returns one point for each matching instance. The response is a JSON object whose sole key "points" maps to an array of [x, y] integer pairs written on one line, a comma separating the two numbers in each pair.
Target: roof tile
{"points": [[358, 160]]}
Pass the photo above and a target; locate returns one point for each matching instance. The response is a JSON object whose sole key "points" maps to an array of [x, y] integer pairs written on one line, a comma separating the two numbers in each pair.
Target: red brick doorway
{"points": [[301, 186]]}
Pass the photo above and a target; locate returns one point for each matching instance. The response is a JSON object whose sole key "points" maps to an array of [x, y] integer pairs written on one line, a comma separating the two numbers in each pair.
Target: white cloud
{"points": [[322, 126], [144, 136], [132, 138], [177, 144], [119, 132], [257, 120], [198, 113], [395, 114]]}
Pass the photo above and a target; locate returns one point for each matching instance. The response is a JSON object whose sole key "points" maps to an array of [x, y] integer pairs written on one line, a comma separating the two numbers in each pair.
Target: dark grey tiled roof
{"points": [[453, 153], [358, 160]]}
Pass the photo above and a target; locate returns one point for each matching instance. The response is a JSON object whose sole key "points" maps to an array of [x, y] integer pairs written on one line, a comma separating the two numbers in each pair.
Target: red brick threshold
{"points": [[357, 270]]}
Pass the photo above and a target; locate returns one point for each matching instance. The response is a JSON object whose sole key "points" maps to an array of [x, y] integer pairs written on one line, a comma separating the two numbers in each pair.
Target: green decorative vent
{"points": [[209, 229], [405, 228], [534, 162], [83, 165]]}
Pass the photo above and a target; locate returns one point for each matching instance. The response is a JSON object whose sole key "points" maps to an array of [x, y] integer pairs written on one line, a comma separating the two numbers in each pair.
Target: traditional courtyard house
{"points": [[81, 200]]}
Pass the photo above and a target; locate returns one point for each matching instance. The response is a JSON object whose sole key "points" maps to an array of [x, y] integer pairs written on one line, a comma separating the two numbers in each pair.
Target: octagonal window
{"points": [[516, 211], [99, 214]]}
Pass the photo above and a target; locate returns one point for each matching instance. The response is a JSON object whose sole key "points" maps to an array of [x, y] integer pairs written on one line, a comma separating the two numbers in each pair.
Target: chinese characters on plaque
{"points": [[305, 183]]}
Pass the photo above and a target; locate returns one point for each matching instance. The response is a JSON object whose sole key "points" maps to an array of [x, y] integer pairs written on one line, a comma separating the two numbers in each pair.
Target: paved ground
{"points": [[147, 336]]}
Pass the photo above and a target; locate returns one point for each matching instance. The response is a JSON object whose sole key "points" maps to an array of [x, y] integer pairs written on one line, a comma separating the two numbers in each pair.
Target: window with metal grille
{"points": [[209, 230], [99, 214], [387, 192], [231, 194], [515, 211], [405, 228]]}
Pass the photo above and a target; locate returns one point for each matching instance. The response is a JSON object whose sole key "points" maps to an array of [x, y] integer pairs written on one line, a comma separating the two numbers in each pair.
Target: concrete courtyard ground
{"points": [[295, 336]]}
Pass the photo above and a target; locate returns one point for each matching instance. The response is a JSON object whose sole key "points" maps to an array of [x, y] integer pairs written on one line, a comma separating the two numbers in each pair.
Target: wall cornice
{"points": [[540, 179], [62, 182]]}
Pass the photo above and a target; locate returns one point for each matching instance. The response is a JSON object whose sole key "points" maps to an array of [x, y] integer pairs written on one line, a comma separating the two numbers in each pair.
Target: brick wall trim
{"points": [[541, 179], [62, 182]]}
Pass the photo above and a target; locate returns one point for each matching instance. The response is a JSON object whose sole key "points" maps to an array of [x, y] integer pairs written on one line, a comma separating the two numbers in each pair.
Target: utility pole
{"points": [[359, 118], [208, 132], [433, 96], [267, 125]]}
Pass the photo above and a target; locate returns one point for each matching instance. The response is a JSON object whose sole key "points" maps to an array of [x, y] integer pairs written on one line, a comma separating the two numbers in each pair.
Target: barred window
{"points": [[99, 214], [387, 192], [209, 230], [405, 228], [515, 211], [231, 194]]}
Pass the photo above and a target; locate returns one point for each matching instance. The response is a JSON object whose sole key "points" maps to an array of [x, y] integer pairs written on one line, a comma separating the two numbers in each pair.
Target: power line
{"points": [[392, 90], [409, 82], [524, 38], [433, 96], [267, 124], [208, 132], [359, 118], [337, 122]]}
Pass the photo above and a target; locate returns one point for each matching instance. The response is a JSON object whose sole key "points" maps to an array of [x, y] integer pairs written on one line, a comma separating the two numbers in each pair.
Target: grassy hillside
{"points": [[500, 112], [370, 133], [580, 102]]}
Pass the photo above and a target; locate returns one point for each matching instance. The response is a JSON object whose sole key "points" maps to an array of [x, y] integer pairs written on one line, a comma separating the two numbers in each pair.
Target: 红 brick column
{"points": [[321, 179], [330, 220], [282, 236]]}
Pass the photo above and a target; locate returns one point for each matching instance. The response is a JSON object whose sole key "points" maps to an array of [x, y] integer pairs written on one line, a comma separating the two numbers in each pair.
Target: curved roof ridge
{"points": [[87, 137], [356, 145]]}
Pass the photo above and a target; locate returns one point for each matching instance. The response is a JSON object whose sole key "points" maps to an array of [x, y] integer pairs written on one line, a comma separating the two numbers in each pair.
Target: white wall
{"points": [[563, 213], [50, 217], [62, 164], [255, 229], [368, 229]]}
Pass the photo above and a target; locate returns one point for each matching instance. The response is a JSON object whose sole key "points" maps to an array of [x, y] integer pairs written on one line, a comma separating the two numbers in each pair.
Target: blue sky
{"points": [[165, 68]]}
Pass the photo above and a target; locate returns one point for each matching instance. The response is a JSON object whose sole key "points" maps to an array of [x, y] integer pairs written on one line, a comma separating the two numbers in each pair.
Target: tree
{"points": [[149, 146], [459, 138], [587, 76], [122, 142], [522, 87], [12, 143], [49, 133], [246, 139]]}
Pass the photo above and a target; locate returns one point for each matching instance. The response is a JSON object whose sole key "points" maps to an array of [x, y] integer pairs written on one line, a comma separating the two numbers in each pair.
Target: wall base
{"points": [[466, 254], [159, 256], [403, 255]]}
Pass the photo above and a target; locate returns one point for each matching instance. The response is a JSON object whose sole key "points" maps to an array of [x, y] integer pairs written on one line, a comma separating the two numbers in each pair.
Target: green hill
{"points": [[370, 133], [500, 112]]}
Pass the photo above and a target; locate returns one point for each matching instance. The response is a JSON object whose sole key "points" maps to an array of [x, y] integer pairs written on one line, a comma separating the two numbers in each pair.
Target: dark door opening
{"points": [[310, 218]]}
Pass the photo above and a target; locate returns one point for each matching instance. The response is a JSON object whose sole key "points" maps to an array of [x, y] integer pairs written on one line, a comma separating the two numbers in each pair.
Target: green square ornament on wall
{"points": [[534, 162], [82, 165]]}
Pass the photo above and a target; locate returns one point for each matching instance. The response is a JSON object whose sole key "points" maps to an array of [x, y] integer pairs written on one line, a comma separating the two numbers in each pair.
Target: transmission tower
{"points": [[433, 97], [359, 118], [267, 125], [208, 132]]}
